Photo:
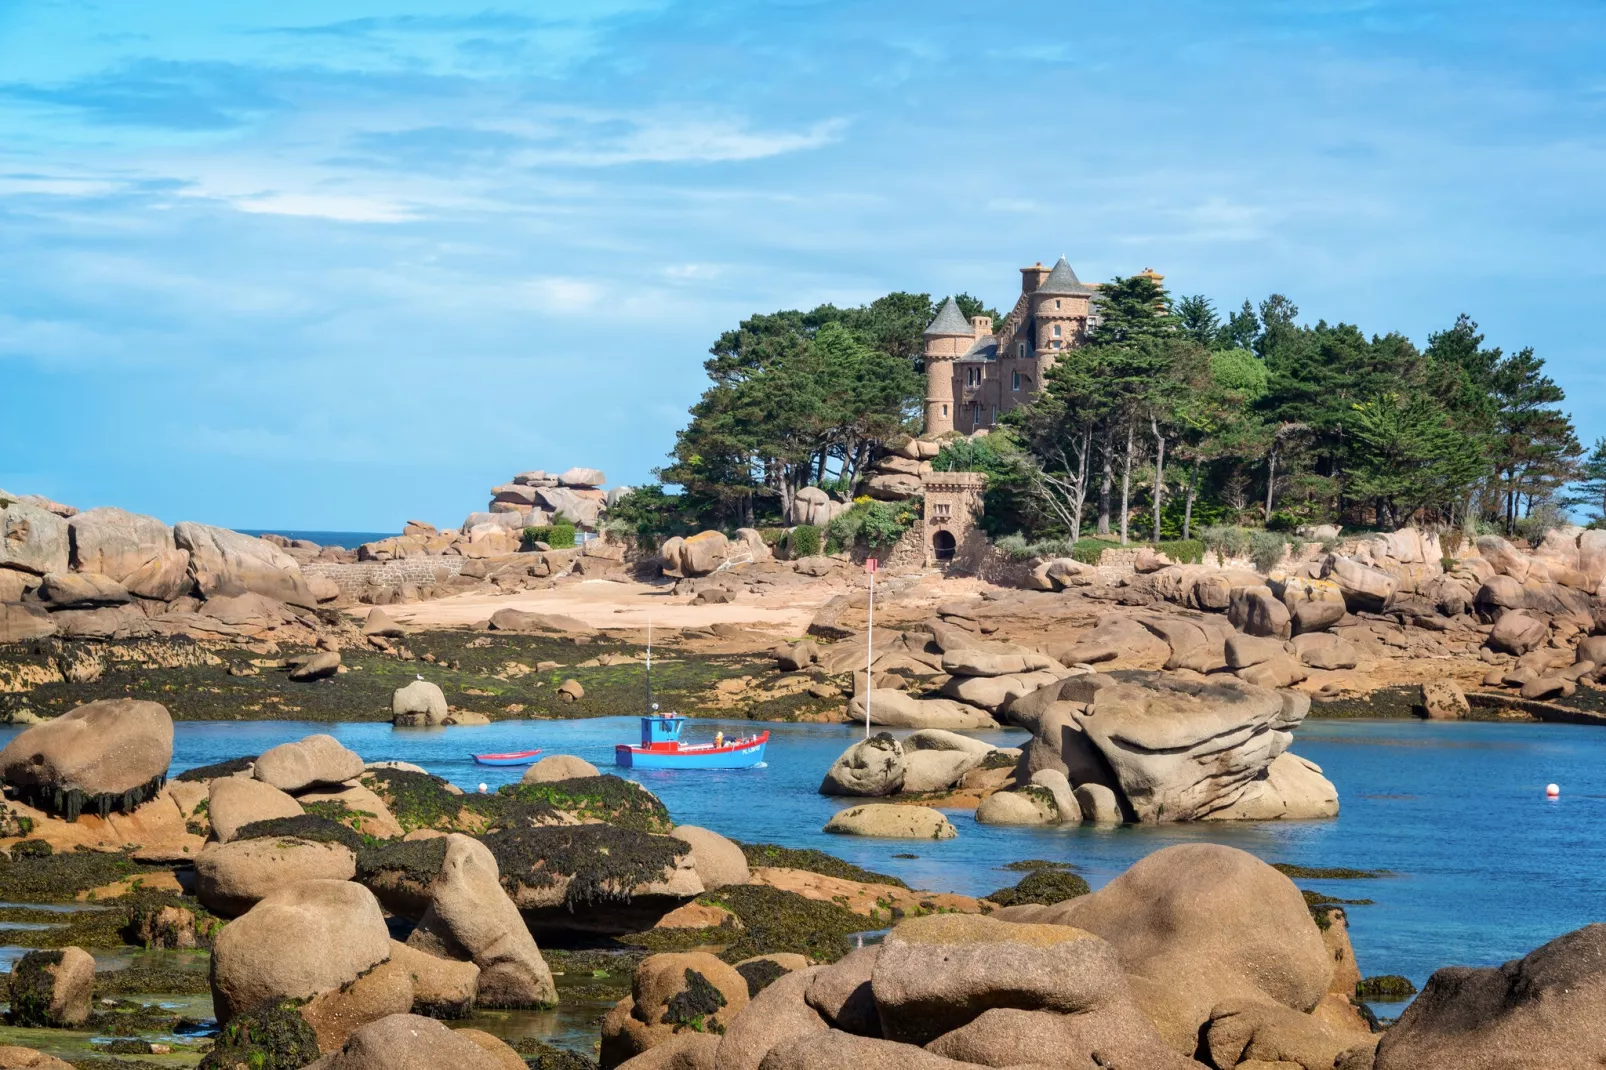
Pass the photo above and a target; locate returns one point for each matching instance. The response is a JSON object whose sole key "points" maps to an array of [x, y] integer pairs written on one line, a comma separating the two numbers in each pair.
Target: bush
{"points": [[1182, 551], [1282, 520], [557, 536], [804, 541], [879, 524], [1266, 549], [1089, 551], [1225, 541]]}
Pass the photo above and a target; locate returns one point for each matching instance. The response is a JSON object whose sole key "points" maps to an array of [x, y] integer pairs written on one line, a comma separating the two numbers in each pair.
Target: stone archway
{"points": [[943, 545]]}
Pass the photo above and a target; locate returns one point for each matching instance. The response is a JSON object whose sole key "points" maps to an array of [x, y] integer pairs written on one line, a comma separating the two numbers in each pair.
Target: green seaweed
{"points": [[61, 877], [171, 973], [813, 861], [274, 1036], [605, 862], [312, 827], [422, 801], [1328, 873], [1385, 988], [605, 797], [416, 862], [760, 974], [693, 1005], [69, 803], [542, 1056], [202, 773], [31, 849], [32, 985], [1044, 886], [776, 921], [1032, 865]]}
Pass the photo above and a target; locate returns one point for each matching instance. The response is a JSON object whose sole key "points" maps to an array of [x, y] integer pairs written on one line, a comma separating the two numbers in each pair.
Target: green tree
{"points": [[1589, 489], [1408, 456], [1197, 318]]}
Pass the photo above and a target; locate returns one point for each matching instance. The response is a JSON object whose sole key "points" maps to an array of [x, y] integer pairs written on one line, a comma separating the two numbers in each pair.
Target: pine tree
{"points": [[1589, 490]]}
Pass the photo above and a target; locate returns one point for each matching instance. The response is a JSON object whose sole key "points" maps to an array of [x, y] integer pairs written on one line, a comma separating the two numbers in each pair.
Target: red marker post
{"points": [[869, 644]]}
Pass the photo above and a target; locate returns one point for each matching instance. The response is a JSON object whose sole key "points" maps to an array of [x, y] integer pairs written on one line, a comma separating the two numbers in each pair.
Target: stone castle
{"points": [[974, 373]]}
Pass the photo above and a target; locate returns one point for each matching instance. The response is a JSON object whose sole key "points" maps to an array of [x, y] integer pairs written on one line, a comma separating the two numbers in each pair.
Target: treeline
{"points": [[1172, 417]]}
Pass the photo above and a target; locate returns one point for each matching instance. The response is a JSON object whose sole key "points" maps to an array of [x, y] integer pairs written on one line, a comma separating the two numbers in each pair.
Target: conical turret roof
{"points": [[949, 321], [1062, 280]]}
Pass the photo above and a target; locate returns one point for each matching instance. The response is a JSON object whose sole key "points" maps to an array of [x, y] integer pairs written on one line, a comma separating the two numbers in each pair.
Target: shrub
{"points": [[1182, 551], [557, 536], [1282, 520], [1225, 541], [879, 524], [1089, 551], [804, 541], [1266, 549]]}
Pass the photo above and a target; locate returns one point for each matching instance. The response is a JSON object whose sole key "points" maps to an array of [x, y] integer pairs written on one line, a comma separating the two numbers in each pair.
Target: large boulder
{"points": [[52, 989], [782, 1012], [1199, 924], [317, 760], [871, 767], [13, 1057], [588, 478], [107, 755], [1031, 806], [116, 543], [1185, 750], [235, 801], [1256, 611], [556, 767], [671, 994], [82, 590], [1365, 589], [227, 562], [890, 821], [19, 623], [410, 1042], [899, 709], [718, 861], [703, 553], [1247, 1032], [301, 941], [573, 505], [936, 770], [471, 916], [1517, 633], [421, 703], [231, 878], [32, 539], [1546, 1009]]}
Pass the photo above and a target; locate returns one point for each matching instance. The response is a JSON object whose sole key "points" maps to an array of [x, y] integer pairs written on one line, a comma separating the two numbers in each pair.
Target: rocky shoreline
{"points": [[343, 913]]}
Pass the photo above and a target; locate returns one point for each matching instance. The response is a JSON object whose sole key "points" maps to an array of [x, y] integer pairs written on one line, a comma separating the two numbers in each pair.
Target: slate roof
{"points": [[1062, 280], [949, 321]]}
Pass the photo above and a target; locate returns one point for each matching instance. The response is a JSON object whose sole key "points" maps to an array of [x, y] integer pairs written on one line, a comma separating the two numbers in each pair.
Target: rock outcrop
{"points": [[104, 756]]}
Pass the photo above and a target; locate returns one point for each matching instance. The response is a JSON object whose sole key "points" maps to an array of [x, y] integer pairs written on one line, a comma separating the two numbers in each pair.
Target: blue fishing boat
{"points": [[521, 757], [661, 748]]}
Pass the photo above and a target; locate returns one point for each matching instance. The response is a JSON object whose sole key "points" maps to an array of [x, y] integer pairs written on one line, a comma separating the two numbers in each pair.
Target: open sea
{"points": [[350, 540], [1482, 867]]}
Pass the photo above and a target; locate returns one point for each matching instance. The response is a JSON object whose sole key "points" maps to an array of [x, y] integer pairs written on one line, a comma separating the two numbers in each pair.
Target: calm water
{"points": [[1485, 867], [350, 540]]}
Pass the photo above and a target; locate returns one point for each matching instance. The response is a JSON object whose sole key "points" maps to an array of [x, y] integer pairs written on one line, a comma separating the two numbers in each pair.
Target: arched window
{"points": [[942, 545]]}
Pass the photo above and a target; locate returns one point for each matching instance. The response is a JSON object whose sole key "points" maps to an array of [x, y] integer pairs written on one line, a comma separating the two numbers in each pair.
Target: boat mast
{"points": [[651, 708]]}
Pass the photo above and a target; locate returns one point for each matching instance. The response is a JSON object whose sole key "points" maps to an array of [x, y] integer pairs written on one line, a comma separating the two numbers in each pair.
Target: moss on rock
{"points": [[1328, 873], [1385, 988], [202, 773], [760, 974], [59, 878], [813, 861], [302, 827], [605, 862], [693, 1005], [542, 1056], [33, 983], [272, 1037], [422, 801], [1044, 886], [776, 921], [604, 797]]}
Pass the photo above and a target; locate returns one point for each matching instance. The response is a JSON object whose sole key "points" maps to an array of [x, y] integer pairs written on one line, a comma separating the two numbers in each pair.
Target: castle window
{"points": [[995, 414], [1017, 380], [1056, 302], [942, 509], [1020, 350], [1056, 330], [1056, 343], [945, 410]]}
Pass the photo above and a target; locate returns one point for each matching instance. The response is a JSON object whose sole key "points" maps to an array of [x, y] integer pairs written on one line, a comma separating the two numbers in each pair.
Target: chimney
{"points": [[981, 325], [1032, 277]]}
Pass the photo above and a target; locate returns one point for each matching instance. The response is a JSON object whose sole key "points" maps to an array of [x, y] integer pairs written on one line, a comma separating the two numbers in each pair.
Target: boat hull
{"points": [[743, 755], [518, 758]]}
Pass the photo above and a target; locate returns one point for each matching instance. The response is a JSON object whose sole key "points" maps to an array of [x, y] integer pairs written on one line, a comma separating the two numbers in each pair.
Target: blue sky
{"points": [[339, 264]]}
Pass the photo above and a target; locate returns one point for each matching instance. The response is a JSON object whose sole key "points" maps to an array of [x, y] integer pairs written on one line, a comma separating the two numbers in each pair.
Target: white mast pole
{"points": [[869, 651]]}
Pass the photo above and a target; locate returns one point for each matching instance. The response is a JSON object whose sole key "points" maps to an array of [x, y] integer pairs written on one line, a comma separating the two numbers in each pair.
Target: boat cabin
{"points": [[661, 729]]}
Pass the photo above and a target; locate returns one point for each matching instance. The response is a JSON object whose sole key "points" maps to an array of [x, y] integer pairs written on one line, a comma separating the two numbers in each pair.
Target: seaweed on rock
{"points": [[695, 1004], [605, 797], [72, 802], [812, 861], [414, 861], [273, 1037], [61, 877], [604, 863], [421, 801], [542, 1056], [1385, 988], [32, 984], [776, 921], [202, 773], [760, 974], [302, 827], [1043, 886]]}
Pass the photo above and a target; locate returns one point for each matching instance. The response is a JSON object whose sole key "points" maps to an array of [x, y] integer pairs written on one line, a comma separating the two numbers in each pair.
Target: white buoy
{"points": [[484, 788], [1552, 791]]}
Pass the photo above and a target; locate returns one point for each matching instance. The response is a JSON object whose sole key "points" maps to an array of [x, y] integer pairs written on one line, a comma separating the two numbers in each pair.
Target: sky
{"points": [[334, 265]]}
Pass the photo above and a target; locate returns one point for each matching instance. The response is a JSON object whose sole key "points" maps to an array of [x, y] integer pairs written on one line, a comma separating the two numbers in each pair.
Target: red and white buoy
{"points": [[1552, 791]]}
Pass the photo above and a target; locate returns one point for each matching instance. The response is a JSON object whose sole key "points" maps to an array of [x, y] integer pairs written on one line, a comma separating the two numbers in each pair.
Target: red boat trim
{"points": [[512, 754]]}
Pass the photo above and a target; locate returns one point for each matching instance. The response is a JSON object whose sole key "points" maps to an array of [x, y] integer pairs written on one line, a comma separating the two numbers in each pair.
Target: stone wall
{"points": [[421, 571]]}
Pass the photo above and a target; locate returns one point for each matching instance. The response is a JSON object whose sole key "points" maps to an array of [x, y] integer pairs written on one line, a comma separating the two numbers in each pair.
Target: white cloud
{"points": [[324, 206], [563, 295]]}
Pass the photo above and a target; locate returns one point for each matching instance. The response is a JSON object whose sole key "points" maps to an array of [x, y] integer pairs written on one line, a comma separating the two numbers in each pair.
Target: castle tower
{"points": [[947, 339], [1060, 307]]}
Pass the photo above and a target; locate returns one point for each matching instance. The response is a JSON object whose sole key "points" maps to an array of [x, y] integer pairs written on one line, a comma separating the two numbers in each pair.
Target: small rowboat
{"points": [[661, 748], [518, 757]]}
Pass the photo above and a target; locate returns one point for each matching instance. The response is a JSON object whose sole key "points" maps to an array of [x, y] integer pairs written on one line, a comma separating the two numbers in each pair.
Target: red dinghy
{"points": [[520, 757]]}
